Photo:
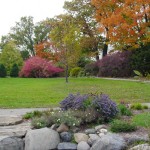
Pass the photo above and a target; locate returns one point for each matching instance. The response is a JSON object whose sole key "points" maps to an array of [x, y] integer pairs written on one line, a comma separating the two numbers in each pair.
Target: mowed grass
{"points": [[142, 119], [27, 92]]}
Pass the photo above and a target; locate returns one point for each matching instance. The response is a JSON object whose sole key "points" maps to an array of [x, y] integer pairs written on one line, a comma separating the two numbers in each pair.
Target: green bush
{"points": [[122, 126], [124, 110], [140, 59], [145, 107], [14, 71], [137, 106], [3, 72], [75, 71], [33, 114], [81, 73]]}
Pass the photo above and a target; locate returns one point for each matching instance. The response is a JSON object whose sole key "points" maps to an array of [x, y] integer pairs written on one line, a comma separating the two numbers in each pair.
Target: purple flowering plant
{"points": [[105, 106], [75, 102]]}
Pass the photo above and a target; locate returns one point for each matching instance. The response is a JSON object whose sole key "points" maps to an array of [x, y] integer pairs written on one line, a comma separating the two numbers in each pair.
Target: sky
{"points": [[12, 10]]}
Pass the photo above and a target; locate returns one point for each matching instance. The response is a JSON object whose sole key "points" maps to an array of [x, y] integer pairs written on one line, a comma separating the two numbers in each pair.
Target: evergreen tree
{"points": [[14, 70], [2, 71]]}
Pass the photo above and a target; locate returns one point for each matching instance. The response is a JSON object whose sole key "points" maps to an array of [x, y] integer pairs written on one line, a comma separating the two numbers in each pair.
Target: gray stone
{"points": [[15, 130], [97, 128], [141, 147], [67, 146], [103, 131], [10, 120], [11, 143], [109, 142], [41, 139], [83, 146], [93, 138], [80, 137], [130, 139], [101, 134], [66, 136], [62, 128], [53, 127], [75, 129], [90, 131]]}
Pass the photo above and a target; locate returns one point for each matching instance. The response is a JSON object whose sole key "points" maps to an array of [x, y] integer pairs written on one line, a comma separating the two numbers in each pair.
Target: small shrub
{"points": [[105, 106], [124, 110], [14, 71], [28, 115], [122, 126], [3, 71], [81, 73], [33, 114], [91, 69], [145, 107], [39, 122], [36, 67], [137, 106], [75, 71]]}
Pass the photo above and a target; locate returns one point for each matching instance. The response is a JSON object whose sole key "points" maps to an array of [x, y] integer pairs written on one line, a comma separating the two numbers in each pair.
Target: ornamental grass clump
{"points": [[105, 106], [124, 111], [122, 126]]}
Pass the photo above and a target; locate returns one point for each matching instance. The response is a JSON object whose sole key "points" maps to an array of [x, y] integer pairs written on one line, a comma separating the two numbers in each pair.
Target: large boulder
{"points": [[67, 146], [41, 139], [11, 143], [109, 142]]}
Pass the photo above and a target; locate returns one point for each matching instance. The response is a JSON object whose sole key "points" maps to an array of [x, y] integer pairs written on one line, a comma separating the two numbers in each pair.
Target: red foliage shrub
{"points": [[115, 65], [36, 67]]}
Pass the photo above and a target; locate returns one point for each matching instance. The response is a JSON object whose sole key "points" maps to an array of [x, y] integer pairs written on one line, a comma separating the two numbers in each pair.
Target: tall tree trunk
{"points": [[105, 50], [97, 56], [66, 73]]}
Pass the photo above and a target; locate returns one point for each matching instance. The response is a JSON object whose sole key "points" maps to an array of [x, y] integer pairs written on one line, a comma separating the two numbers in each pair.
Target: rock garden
{"points": [[83, 122]]}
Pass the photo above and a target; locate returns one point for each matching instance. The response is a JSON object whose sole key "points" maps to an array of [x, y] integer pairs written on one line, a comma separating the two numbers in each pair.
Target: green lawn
{"points": [[142, 119], [24, 92]]}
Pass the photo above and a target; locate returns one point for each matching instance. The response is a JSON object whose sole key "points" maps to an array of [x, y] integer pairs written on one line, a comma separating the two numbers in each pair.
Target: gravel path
{"points": [[22, 111], [134, 80], [19, 112]]}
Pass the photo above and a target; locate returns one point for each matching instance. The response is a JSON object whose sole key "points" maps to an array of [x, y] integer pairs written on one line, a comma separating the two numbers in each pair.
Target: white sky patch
{"points": [[12, 10]]}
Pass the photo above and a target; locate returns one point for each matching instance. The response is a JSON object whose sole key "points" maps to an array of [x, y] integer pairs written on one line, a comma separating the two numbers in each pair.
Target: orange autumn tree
{"points": [[47, 50], [104, 9], [128, 21]]}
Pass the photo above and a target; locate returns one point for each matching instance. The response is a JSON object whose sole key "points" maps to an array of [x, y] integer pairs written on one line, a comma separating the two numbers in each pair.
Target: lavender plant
{"points": [[105, 106], [75, 102]]}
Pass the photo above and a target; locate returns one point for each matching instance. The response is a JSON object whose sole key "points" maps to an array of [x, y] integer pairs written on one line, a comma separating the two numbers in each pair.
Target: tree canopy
{"points": [[126, 22], [10, 55]]}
